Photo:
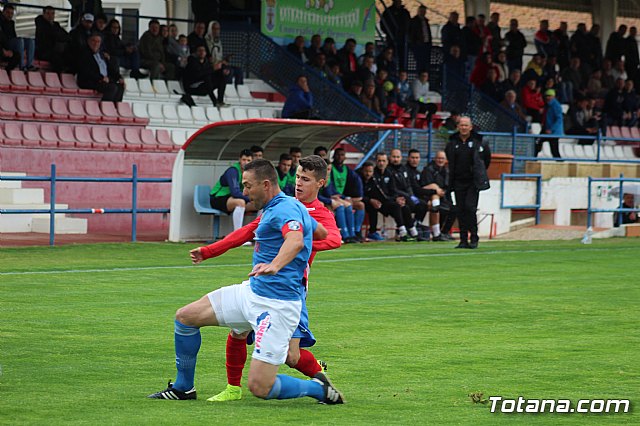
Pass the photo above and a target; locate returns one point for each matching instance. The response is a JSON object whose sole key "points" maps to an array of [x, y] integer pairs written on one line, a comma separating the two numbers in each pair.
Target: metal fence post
{"points": [[52, 207], [621, 199], [429, 141], [134, 202], [589, 204], [538, 198], [513, 149], [598, 140]]}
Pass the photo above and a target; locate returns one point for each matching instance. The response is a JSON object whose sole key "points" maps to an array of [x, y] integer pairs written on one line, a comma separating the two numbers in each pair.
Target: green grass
{"points": [[408, 330]]}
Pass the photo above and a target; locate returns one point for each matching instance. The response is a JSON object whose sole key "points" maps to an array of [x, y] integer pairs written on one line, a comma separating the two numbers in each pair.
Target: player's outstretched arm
{"points": [[320, 233], [325, 218], [233, 240], [293, 243]]}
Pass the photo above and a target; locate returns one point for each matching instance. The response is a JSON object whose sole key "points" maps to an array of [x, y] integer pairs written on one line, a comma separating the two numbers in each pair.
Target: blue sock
{"points": [[287, 387], [187, 340], [358, 219], [341, 221], [348, 214]]}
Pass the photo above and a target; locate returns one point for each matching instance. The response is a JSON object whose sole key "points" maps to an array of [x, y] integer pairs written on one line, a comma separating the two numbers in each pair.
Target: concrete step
{"points": [[11, 183], [15, 223], [21, 195], [64, 225], [31, 206]]}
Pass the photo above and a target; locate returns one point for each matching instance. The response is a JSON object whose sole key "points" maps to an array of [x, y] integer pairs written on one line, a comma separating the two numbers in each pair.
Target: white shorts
{"points": [[273, 320]]}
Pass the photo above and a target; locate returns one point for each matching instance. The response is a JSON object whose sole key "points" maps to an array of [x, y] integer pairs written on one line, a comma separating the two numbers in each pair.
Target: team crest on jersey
{"points": [[405, 174], [264, 323], [386, 179], [294, 225], [470, 143]]}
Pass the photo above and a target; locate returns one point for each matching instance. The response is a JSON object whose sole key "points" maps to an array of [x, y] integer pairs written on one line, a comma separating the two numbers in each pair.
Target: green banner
{"points": [[283, 20]]}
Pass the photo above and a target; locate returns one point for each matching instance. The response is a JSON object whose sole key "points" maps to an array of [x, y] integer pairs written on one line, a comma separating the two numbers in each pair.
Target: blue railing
{"points": [[618, 210], [538, 203], [53, 179]]}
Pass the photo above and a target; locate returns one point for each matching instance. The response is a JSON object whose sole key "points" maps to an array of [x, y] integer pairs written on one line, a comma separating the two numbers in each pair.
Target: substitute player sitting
{"points": [[311, 176], [270, 303]]}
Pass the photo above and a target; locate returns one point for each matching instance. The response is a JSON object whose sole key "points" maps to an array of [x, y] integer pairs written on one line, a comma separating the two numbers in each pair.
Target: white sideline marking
{"points": [[344, 259]]}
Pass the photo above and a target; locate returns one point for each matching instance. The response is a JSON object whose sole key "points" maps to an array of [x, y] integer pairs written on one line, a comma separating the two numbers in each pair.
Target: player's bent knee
{"points": [[259, 387]]}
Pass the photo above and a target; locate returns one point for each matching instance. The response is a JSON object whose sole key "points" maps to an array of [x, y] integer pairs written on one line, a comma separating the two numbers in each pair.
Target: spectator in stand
{"points": [[510, 104], [385, 61], [514, 82], [348, 188], [369, 99], [298, 49], [481, 69], [382, 91], [152, 55], [631, 56], [534, 68], [355, 89], [543, 40], [315, 47], [435, 182], [616, 44], [631, 104], [405, 195], [329, 49], [319, 63], [481, 30], [454, 64], [608, 81], [420, 39], [166, 44], [594, 85], [380, 196], [100, 25], [580, 120], [347, 59], [299, 102], [471, 42], [196, 37], [18, 45], [500, 62], [79, 36], [177, 48], [594, 112], [403, 90], [335, 74], [553, 123], [98, 72], [369, 50], [227, 194], [283, 169], [451, 33], [490, 86], [80, 7], [469, 157], [516, 43], [550, 69], [495, 30], [561, 37], [395, 24], [7, 54], [365, 71], [126, 54], [451, 123], [322, 152], [628, 202], [256, 152], [199, 78], [619, 71], [532, 101], [579, 43], [420, 94], [219, 60], [52, 41], [594, 50]]}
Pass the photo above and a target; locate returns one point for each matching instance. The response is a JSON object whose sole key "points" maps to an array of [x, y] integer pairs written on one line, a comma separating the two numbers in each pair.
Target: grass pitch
{"points": [[408, 330]]}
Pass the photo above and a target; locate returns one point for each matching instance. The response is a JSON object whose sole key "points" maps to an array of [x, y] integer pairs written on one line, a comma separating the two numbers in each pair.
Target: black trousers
{"points": [[401, 215], [466, 206], [419, 211], [111, 91], [553, 144], [209, 84]]}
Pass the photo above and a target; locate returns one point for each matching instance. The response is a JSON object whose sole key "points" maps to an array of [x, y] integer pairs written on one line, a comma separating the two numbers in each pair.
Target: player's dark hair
{"points": [[246, 153], [367, 164], [295, 149], [337, 150], [318, 149], [285, 157], [256, 148], [316, 165], [264, 170], [413, 151]]}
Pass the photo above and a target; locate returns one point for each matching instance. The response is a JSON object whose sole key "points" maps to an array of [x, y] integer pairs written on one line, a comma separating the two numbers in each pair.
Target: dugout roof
{"points": [[224, 140]]}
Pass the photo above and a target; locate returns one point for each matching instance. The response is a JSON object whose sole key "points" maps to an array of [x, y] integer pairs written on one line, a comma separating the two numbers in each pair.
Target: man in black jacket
{"points": [[17, 44], [404, 193], [469, 157], [199, 78], [435, 180], [52, 41], [97, 72], [379, 196]]}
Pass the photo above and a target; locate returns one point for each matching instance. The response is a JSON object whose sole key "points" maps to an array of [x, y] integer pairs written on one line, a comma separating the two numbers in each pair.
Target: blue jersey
{"points": [[279, 216]]}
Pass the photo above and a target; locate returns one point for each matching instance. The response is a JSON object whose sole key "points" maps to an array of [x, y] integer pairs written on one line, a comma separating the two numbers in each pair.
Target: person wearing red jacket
{"points": [[311, 176], [532, 100]]}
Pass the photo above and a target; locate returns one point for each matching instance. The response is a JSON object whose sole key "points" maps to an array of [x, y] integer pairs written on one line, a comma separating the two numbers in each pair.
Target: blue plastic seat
{"points": [[202, 205]]}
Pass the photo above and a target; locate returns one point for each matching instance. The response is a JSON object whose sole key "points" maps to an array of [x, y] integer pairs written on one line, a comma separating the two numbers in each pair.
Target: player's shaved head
{"points": [[316, 165], [263, 170]]}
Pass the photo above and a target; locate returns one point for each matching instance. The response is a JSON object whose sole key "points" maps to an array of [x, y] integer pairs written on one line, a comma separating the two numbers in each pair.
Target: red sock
{"points": [[236, 357], [308, 364]]}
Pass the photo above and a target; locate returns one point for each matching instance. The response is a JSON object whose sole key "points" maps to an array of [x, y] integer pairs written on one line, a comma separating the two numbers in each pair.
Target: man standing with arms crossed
{"points": [[311, 177], [270, 303]]}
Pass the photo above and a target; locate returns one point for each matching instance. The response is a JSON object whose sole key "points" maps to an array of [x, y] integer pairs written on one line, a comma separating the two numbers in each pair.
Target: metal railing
{"points": [[618, 210], [538, 203], [52, 210]]}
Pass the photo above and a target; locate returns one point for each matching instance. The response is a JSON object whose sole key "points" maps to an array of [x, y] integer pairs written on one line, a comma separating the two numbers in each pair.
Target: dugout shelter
{"points": [[211, 150]]}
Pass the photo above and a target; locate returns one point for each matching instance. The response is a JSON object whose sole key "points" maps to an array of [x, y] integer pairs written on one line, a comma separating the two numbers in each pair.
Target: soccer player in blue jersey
{"points": [[269, 303]]}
